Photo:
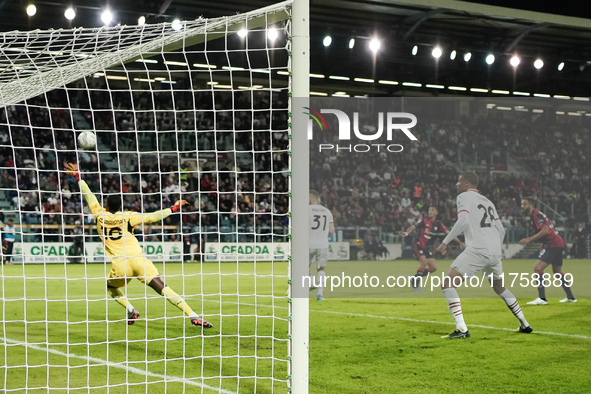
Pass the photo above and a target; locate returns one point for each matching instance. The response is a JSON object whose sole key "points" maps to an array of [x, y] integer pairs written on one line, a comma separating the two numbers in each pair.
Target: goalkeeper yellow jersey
{"points": [[116, 229]]}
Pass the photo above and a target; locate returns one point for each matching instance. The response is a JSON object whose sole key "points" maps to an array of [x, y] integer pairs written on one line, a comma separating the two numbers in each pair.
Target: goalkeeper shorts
{"points": [[125, 269]]}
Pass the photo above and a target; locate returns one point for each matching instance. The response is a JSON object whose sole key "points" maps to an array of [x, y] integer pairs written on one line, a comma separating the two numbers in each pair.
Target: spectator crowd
{"points": [[228, 157], [233, 170]]}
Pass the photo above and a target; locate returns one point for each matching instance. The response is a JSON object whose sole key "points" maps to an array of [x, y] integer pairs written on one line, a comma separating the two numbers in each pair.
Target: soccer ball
{"points": [[87, 140]]}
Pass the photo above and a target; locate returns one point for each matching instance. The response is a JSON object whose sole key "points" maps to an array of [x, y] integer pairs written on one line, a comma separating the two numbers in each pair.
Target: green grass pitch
{"points": [[357, 345]]}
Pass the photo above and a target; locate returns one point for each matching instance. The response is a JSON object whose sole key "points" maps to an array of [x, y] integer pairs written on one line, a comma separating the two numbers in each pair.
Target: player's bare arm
{"points": [[455, 231], [541, 234], [462, 245], [441, 248], [408, 231]]}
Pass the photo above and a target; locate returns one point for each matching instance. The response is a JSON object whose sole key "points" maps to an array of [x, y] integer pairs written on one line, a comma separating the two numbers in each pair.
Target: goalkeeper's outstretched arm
{"points": [[95, 206], [156, 216], [91, 200]]}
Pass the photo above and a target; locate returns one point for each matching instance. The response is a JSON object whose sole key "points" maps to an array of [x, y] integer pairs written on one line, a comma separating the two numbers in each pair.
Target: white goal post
{"points": [[200, 112], [300, 189]]}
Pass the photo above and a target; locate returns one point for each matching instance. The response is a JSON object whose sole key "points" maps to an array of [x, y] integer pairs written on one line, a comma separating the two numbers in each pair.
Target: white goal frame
{"points": [[47, 79], [300, 88]]}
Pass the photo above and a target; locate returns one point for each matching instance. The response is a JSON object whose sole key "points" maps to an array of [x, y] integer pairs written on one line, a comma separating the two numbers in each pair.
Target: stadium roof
{"points": [[400, 25]]}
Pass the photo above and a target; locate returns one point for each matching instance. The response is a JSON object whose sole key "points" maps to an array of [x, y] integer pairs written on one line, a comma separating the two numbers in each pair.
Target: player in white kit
{"points": [[484, 233], [321, 224]]}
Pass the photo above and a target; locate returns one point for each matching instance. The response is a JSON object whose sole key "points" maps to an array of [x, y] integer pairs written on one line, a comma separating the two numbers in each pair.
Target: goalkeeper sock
{"points": [[322, 280], [455, 308], [513, 305], [118, 296], [176, 300]]}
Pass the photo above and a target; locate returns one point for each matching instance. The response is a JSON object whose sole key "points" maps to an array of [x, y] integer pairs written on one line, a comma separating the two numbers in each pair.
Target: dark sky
{"points": [[576, 8]]}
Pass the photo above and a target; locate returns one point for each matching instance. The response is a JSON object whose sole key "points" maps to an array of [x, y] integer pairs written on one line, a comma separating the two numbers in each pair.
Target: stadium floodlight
{"points": [[374, 45], [141, 20], [514, 61], [415, 50], [490, 59], [560, 66], [272, 34], [70, 14], [467, 56], [176, 25], [387, 82], [242, 33], [436, 52], [452, 55], [366, 80], [31, 9], [351, 43], [175, 63], [327, 41], [107, 16], [538, 64]]}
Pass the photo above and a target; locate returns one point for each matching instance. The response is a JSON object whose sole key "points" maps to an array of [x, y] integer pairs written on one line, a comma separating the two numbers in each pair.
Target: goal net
{"points": [[196, 111]]}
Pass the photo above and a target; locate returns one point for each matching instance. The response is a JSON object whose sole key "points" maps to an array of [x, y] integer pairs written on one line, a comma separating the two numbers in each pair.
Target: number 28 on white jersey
{"points": [[480, 231]]}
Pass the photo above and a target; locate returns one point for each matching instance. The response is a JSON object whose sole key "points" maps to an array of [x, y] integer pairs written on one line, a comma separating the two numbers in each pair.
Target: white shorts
{"points": [[320, 256], [471, 263]]}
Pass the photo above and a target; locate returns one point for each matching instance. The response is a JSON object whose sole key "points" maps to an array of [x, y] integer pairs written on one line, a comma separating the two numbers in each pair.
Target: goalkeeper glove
{"points": [[177, 205], [72, 170]]}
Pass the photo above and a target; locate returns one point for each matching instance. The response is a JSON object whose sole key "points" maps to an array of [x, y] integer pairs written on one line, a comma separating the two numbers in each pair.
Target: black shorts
{"points": [[551, 255], [420, 251], [8, 251]]}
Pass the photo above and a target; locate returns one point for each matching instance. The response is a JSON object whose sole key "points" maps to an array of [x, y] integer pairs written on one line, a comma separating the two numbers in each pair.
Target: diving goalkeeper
{"points": [[127, 259]]}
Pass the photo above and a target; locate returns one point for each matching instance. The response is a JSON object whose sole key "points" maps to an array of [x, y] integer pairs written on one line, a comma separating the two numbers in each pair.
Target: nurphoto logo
{"points": [[344, 129]]}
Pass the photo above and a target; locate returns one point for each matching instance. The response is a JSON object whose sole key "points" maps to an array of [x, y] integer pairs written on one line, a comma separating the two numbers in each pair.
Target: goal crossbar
{"points": [[51, 59]]}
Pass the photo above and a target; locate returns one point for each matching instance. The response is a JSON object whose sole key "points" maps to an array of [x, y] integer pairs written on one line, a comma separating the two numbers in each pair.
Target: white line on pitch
{"points": [[383, 317], [167, 378], [448, 323], [408, 319]]}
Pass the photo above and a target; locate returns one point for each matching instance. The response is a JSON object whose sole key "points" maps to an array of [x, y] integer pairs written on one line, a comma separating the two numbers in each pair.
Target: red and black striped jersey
{"points": [[552, 240], [424, 226]]}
